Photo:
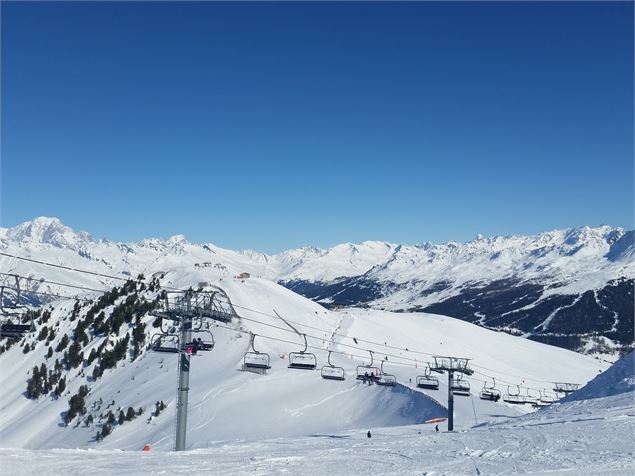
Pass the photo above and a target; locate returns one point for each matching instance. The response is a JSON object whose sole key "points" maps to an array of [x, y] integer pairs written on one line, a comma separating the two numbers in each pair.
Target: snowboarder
{"points": [[368, 435], [436, 428]]}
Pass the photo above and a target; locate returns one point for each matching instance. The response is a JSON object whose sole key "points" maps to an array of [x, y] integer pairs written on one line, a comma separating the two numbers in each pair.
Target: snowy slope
{"points": [[586, 438], [619, 378], [227, 404]]}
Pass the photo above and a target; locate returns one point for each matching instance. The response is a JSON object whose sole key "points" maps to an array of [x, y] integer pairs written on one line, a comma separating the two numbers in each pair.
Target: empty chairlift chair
{"points": [[331, 372], [368, 371], [427, 381], [532, 399], [514, 398], [547, 399], [490, 392], [255, 360], [167, 343], [302, 360], [10, 308], [565, 387], [388, 380], [461, 387], [14, 331]]}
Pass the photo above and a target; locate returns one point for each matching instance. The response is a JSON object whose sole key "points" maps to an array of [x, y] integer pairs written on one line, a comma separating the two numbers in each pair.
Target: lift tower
{"points": [[193, 312], [451, 365]]}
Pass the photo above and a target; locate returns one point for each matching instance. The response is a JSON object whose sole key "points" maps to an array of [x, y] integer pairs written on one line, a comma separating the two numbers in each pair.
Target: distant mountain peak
{"points": [[51, 231]]}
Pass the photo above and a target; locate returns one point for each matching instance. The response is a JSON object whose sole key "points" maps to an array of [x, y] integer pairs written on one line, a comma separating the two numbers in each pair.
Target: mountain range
{"points": [[571, 288]]}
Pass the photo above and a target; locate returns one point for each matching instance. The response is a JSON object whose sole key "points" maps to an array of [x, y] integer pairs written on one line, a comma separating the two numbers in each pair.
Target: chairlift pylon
{"points": [[427, 381], [332, 372], [254, 359], [302, 360]]}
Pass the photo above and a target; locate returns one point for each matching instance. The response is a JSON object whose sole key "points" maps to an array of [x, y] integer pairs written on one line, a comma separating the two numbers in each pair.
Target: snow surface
{"points": [[591, 437]]}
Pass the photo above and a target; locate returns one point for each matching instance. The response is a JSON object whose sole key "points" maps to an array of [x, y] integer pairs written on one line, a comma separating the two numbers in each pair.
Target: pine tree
{"points": [[130, 414], [62, 343], [121, 418], [61, 386], [49, 354], [106, 430]]}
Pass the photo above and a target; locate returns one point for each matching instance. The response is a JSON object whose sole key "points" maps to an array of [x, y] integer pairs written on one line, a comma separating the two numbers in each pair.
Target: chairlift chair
{"points": [[167, 343], [565, 387], [532, 399], [368, 371], [427, 381], [385, 379], [514, 398], [461, 387], [13, 310], [490, 393], [331, 372], [255, 359], [302, 360], [547, 399], [202, 345]]}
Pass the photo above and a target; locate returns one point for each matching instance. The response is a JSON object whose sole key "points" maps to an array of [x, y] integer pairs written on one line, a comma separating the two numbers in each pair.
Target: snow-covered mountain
{"points": [[572, 288]]}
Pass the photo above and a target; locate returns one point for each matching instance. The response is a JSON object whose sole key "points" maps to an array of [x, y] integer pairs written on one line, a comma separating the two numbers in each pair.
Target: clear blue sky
{"points": [[276, 125]]}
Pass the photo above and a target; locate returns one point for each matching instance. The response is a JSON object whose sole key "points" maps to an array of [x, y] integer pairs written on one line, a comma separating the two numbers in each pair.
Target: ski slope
{"points": [[591, 437], [227, 404]]}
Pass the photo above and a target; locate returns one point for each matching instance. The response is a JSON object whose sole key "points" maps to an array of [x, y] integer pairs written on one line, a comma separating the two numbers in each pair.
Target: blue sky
{"points": [[276, 125]]}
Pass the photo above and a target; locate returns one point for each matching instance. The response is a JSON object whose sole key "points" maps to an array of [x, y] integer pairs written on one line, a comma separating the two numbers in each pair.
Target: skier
{"points": [[436, 428], [368, 435]]}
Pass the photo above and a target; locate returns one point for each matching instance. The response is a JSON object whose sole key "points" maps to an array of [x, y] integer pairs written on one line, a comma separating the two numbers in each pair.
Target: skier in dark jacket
{"points": [[368, 435], [437, 428]]}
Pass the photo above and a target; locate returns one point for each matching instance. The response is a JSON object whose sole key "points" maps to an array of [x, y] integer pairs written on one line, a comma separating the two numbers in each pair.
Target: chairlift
{"points": [[168, 343], [490, 393], [547, 399], [461, 387], [514, 398], [199, 344], [427, 381], [532, 399], [331, 372], [368, 371], [13, 310], [302, 360], [255, 359], [565, 387], [385, 379]]}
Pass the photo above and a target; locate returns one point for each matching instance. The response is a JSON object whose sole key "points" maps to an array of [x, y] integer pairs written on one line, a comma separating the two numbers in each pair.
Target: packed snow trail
{"points": [[591, 437]]}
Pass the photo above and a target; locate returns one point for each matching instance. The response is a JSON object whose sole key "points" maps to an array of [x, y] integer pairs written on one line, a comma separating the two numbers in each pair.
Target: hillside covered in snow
{"points": [[87, 377], [572, 288]]}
